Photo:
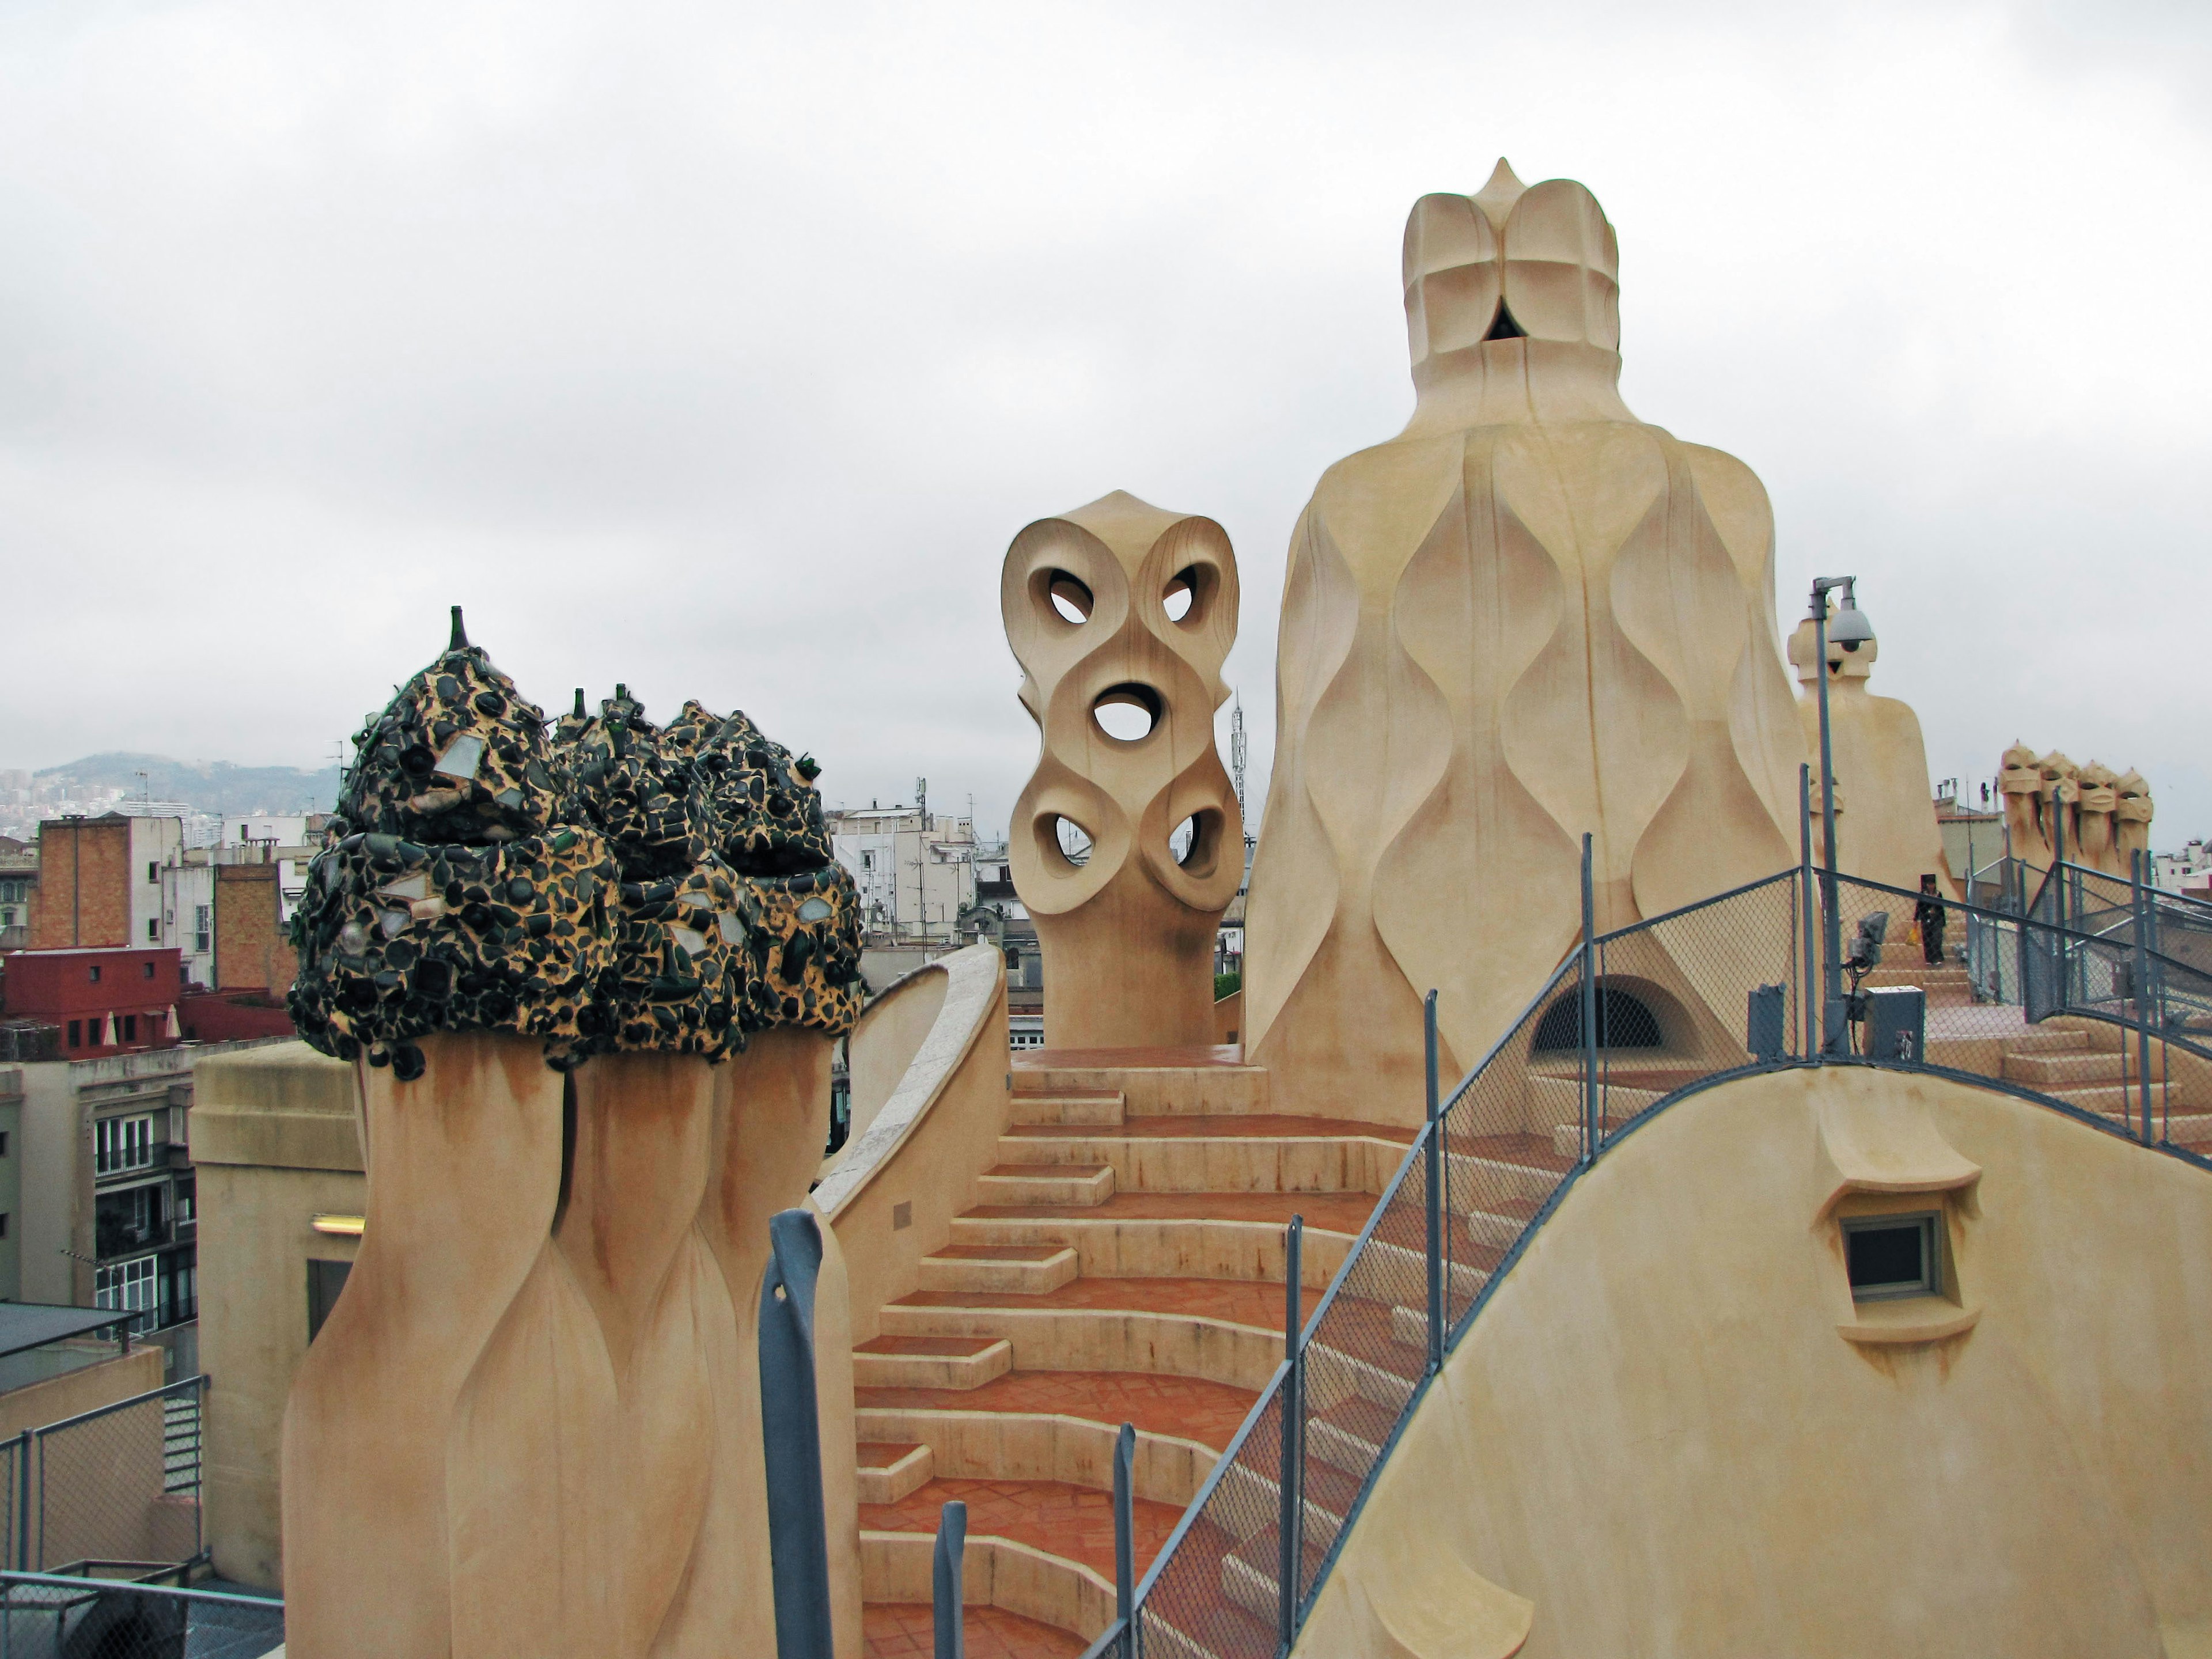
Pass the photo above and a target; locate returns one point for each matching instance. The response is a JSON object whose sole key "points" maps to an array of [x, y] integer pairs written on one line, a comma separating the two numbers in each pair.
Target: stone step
{"points": [[1350, 1434], [889, 1470], [1238, 1152], [2045, 1041], [1105, 1109], [1567, 1139], [906, 1361], [1168, 1086], [2048, 1070], [1226, 1333], [1023, 1269], [1072, 1185], [2121, 1100]]}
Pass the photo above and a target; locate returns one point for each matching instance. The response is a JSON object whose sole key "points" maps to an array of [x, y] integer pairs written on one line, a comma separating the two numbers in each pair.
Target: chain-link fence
{"points": [[2078, 989], [117, 1487], [66, 1616]]}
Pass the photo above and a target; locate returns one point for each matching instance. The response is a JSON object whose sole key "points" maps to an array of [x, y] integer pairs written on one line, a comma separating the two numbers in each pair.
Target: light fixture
{"points": [[340, 1226]]}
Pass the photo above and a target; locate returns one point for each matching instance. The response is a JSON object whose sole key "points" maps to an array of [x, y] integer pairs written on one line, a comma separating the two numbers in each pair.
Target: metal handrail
{"points": [[1221, 1468], [69, 1580]]}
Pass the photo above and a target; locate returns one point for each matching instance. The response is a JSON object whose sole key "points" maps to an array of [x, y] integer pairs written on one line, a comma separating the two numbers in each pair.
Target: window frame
{"points": [[1929, 1224]]}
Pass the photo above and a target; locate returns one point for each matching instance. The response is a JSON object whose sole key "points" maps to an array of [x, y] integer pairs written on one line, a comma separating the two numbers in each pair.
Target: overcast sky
{"points": [[723, 349]]}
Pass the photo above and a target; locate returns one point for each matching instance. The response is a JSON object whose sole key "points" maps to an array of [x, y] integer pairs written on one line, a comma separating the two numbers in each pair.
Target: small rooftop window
{"points": [[1891, 1256], [1623, 1022]]}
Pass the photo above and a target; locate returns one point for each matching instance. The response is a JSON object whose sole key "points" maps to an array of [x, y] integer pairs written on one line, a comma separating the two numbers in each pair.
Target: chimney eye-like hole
{"points": [[1503, 325], [1069, 598], [1176, 601], [1189, 595], [1069, 839], [1126, 713], [1194, 842]]}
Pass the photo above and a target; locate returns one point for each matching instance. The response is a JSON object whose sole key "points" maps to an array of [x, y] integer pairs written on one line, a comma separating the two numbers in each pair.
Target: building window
{"points": [[95, 973], [75, 1034], [153, 936], [3, 1143], [203, 927], [153, 871], [3, 1224], [122, 1143], [325, 1281], [1891, 1256], [129, 1287], [149, 966], [868, 861], [130, 1028]]}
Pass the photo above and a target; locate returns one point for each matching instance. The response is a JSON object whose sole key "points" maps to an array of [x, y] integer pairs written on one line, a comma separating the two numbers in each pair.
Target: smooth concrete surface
{"points": [[1672, 1431], [104, 1382], [532, 1424], [1529, 616], [884, 1041], [275, 1140], [894, 1192], [1128, 933]]}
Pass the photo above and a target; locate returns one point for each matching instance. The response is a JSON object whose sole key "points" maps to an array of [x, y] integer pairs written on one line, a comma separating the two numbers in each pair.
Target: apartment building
{"points": [[915, 869]]}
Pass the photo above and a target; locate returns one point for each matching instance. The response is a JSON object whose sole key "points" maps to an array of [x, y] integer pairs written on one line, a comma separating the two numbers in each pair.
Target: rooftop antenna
{"points": [[1236, 762], [921, 801]]}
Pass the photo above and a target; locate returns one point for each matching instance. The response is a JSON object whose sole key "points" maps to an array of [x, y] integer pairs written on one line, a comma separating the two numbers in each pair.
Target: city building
{"points": [[19, 885], [915, 869], [2188, 871], [100, 881]]}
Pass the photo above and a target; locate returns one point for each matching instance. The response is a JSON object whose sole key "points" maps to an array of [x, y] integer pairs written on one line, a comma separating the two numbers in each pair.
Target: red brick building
{"points": [[101, 1002]]}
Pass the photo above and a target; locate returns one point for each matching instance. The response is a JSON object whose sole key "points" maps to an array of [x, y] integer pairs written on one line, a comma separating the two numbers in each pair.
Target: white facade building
{"points": [[915, 870]]}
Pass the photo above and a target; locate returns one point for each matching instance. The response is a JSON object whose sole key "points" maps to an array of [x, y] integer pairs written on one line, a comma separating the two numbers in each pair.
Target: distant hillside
{"points": [[216, 787]]}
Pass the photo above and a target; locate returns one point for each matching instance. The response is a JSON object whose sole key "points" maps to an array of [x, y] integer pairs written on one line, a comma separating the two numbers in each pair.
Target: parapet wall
{"points": [[1674, 1431]]}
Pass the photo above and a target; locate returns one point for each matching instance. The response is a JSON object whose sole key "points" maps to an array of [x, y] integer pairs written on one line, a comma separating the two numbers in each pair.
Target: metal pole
{"points": [[1288, 1562], [1807, 995], [2056, 881], [1436, 1214], [1590, 1008], [946, 1587], [791, 1436], [2136, 858], [1831, 938], [1125, 1537], [23, 1497]]}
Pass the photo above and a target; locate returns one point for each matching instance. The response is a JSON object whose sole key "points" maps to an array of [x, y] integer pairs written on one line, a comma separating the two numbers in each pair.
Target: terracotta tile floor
{"points": [[1535, 1151], [1245, 1302], [907, 1630], [1189, 1406], [1073, 1522], [1337, 1212], [1126, 1059], [1229, 1127], [954, 1348]]}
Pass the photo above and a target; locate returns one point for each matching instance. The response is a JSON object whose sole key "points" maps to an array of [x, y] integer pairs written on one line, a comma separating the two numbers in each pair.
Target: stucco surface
{"points": [[275, 1137], [898, 1184], [1672, 1431], [1529, 616], [1128, 934]]}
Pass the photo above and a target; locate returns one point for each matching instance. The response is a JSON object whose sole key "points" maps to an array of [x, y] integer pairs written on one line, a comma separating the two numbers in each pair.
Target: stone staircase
{"points": [[1124, 1263]]}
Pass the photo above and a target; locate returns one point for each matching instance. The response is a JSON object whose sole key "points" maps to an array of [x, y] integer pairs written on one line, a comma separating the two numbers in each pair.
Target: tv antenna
{"points": [[1236, 762]]}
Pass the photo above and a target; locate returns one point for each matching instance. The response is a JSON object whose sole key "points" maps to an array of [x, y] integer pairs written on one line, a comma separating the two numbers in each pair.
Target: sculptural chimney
{"points": [[1526, 616]]}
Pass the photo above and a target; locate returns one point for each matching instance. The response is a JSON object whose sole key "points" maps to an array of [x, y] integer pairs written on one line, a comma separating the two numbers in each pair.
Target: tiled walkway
{"points": [[1076, 1522], [907, 1630], [1188, 1408]]}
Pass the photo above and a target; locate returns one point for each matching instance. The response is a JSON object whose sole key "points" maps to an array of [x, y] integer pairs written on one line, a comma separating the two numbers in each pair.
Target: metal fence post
{"points": [[1436, 1171], [945, 1581], [1290, 1554], [21, 1499], [791, 1429], [1589, 1009], [1808, 998], [2137, 860], [1125, 1537]]}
